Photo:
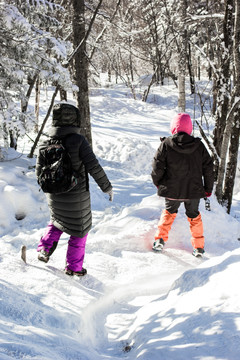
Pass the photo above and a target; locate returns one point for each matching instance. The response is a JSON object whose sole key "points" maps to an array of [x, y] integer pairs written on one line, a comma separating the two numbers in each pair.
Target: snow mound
{"points": [[129, 154]]}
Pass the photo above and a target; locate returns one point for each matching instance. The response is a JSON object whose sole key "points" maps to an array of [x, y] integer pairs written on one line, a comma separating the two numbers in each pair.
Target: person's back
{"points": [[182, 172], [186, 162], [71, 211]]}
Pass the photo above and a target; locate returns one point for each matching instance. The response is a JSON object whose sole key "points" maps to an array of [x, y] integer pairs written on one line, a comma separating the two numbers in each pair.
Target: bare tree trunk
{"points": [[182, 57], [235, 134], [31, 86], [223, 79], [63, 94], [190, 70], [146, 92], [224, 151], [199, 68], [214, 96], [232, 163], [130, 59], [13, 140], [80, 65], [211, 148], [224, 122], [37, 102]]}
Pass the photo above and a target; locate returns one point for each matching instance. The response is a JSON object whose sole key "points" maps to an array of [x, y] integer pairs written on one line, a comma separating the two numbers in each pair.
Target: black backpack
{"points": [[57, 175]]}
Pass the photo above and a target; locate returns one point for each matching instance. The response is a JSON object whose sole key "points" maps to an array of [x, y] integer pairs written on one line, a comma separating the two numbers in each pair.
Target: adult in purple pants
{"points": [[70, 212]]}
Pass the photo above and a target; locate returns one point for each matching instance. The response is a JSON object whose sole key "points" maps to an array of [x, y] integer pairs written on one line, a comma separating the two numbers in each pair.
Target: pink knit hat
{"points": [[181, 122]]}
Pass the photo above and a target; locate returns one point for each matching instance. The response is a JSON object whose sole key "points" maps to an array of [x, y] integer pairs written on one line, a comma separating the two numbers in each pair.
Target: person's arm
{"points": [[207, 168], [39, 161], [159, 164], [93, 167]]}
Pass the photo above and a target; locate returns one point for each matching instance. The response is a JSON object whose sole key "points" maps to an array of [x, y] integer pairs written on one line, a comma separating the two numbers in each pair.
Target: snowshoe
{"points": [[198, 252], [43, 256], [158, 245], [77, 273]]}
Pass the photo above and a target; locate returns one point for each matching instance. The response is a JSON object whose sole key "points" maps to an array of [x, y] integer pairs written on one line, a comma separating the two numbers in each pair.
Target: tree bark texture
{"points": [[232, 164], [182, 57], [190, 70], [223, 82], [235, 133], [80, 65], [37, 102]]}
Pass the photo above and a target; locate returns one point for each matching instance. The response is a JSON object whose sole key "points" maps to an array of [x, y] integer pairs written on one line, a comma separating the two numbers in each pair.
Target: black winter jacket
{"points": [[71, 211], [182, 168]]}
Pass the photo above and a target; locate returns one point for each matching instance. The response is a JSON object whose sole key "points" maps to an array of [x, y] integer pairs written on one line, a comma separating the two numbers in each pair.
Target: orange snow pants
{"points": [[164, 225], [196, 229]]}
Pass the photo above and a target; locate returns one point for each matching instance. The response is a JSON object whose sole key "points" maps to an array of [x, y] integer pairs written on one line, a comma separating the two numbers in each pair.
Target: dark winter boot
{"points": [[78, 273], [43, 256], [158, 245], [198, 252]]}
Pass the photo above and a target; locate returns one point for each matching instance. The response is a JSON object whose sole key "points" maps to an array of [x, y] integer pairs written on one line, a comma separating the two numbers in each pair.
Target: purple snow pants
{"points": [[75, 250]]}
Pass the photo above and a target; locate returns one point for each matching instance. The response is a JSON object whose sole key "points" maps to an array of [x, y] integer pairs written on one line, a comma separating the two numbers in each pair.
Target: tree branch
{"points": [[211, 147], [105, 28], [44, 122], [58, 87], [86, 35]]}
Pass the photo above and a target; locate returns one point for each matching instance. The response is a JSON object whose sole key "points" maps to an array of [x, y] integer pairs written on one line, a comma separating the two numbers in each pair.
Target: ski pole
{"points": [[207, 204]]}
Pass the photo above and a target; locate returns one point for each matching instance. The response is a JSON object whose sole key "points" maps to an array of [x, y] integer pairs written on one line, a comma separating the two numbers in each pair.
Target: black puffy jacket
{"points": [[71, 211], [182, 168]]}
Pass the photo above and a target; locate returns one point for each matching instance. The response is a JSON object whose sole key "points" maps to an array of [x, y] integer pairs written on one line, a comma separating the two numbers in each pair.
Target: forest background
{"points": [[68, 44]]}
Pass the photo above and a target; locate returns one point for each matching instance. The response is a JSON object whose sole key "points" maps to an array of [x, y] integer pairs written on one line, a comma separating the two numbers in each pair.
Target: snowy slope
{"points": [[133, 304]]}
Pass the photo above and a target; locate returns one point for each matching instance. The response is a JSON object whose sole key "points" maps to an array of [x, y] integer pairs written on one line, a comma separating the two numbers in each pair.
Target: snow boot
{"points": [[78, 273], [43, 256], [164, 225], [198, 252], [158, 245]]}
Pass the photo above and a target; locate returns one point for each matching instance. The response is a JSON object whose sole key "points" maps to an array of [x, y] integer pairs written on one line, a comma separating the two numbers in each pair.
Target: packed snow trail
{"points": [[133, 303]]}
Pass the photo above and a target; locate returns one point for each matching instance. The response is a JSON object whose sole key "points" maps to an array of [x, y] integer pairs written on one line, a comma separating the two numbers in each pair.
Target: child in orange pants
{"points": [[183, 173]]}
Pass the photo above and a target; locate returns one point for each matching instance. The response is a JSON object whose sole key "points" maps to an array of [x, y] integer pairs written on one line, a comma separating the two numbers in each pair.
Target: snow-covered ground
{"points": [[133, 304]]}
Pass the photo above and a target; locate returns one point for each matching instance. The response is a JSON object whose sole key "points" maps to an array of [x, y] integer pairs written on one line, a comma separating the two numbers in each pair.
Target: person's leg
{"points": [[195, 221], [49, 240], [191, 207], [172, 206], [75, 254], [165, 223]]}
